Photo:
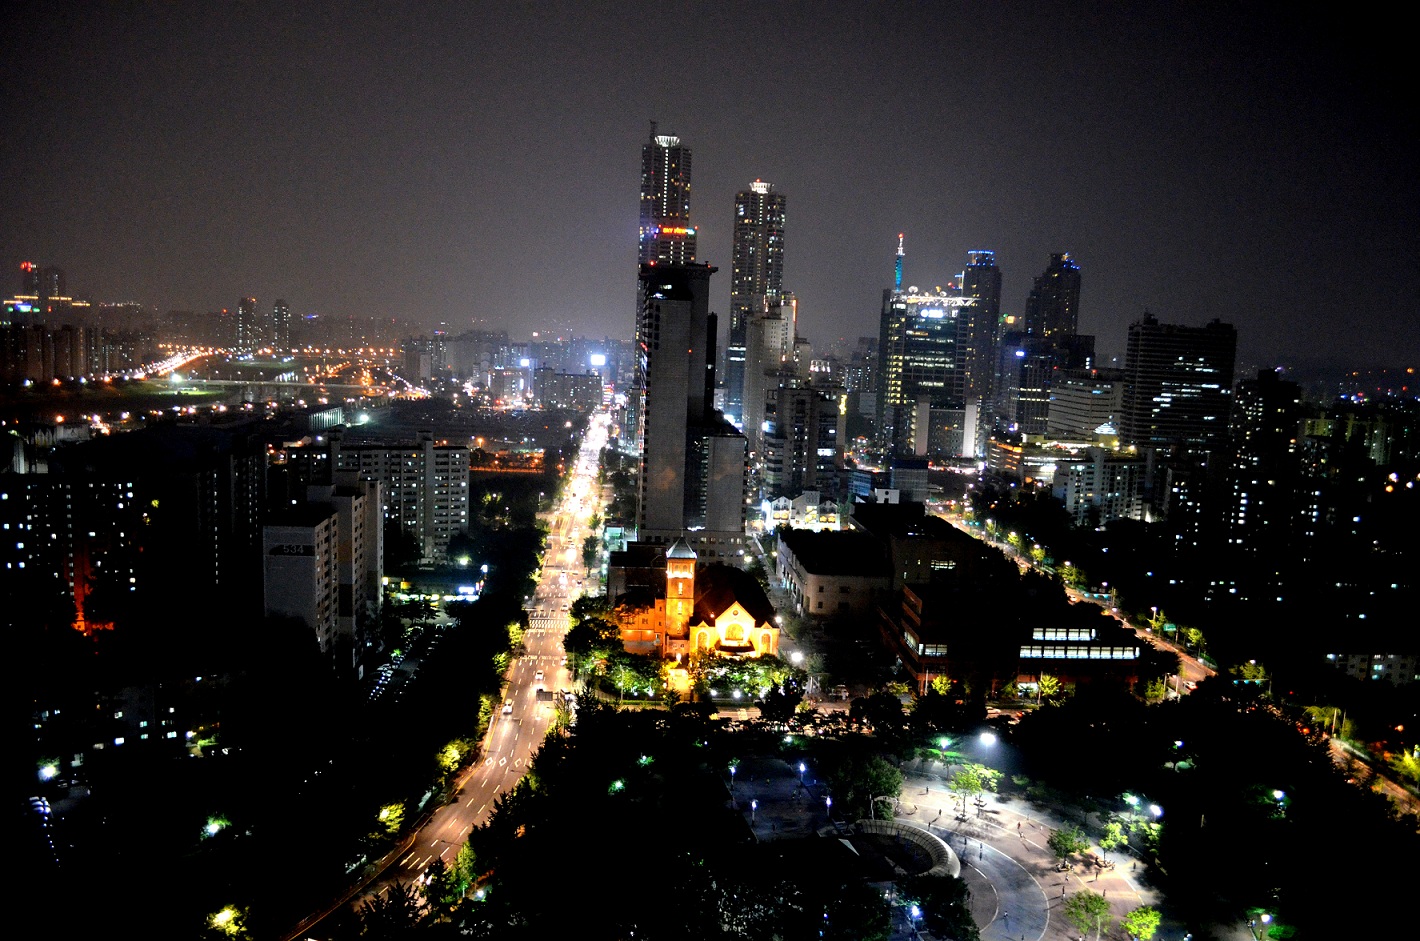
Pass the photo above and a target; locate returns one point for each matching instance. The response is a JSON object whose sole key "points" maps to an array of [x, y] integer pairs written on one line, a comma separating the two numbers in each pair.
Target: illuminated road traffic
{"points": [[514, 735]]}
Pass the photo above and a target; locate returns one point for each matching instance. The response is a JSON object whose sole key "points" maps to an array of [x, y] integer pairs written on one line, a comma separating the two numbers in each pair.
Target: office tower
{"points": [[1178, 384], [757, 279], [667, 237], [29, 279], [1105, 486], [917, 365], [250, 334], [1053, 306], [281, 326], [800, 439], [981, 323], [1084, 405], [692, 461]]}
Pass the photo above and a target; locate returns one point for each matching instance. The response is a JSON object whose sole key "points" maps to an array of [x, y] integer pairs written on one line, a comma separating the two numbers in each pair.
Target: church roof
{"points": [[680, 550], [718, 587]]}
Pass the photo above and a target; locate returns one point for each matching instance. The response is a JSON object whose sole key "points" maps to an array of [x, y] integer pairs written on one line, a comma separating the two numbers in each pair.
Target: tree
{"points": [[389, 916], [1141, 923], [859, 780], [466, 866], [1088, 911], [1066, 842], [441, 889], [882, 710], [1047, 687], [856, 911], [1113, 838], [779, 705], [1407, 765], [1155, 690], [971, 779], [944, 903], [623, 677], [590, 639]]}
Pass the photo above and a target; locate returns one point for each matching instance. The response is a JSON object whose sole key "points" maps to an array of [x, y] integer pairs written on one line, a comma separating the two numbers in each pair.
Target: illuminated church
{"points": [[718, 608]]}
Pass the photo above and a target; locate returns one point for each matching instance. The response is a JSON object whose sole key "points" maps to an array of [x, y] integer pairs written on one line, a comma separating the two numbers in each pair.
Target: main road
{"points": [[520, 723]]}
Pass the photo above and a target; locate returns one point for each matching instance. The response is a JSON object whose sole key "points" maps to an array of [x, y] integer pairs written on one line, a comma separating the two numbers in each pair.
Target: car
{"points": [[508, 708], [537, 677], [1190, 684]]}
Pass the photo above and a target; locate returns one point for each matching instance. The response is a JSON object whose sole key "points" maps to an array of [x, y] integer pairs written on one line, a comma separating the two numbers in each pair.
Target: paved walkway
{"points": [[1016, 891]]}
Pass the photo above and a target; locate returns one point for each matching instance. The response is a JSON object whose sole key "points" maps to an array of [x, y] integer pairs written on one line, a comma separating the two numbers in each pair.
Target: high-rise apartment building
{"points": [[667, 237], [300, 575], [757, 278], [1053, 306], [1178, 384], [693, 462], [424, 486], [250, 333], [1266, 428], [769, 347], [281, 326]]}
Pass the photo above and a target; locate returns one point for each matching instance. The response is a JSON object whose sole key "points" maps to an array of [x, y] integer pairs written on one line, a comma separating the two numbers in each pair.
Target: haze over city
{"points": [[475, 164]]}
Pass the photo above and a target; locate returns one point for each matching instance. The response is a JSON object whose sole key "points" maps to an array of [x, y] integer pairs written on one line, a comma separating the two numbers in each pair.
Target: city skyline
{"points": [[465, 166]]}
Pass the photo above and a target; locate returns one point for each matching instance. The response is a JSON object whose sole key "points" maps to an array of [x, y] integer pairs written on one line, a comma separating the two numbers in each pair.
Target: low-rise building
{"points": [[831, 574]]}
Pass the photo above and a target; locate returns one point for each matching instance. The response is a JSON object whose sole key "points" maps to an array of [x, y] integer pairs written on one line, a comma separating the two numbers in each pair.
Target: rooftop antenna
{"points": [[897, 281]]}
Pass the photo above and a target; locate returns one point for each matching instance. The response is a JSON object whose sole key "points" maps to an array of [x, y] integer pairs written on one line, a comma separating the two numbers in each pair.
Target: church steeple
{"points": [[680, 588]]}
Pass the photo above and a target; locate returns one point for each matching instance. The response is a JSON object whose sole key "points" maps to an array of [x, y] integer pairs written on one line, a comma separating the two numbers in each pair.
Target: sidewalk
{"points": [[1016, 891]]}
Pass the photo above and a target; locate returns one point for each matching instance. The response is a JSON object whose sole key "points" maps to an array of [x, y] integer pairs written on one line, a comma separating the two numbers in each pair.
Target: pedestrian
{"points": [[1018, 827]]}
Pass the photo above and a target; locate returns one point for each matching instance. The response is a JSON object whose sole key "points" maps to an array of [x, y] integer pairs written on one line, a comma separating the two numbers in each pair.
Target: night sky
{"points": [[463, 162]]}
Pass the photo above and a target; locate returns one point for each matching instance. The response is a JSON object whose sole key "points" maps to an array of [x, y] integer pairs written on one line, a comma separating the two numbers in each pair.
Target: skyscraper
{"points": [[1263, 510], [919, 369], [250, 334], [692, 461], [281, 326], [667, 237], [1178, 384], [757, 279], [1053, 307], [769, 346], [978, 333]]}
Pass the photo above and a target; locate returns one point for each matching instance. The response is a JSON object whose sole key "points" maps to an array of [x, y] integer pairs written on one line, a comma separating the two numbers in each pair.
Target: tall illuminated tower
{"points": [[1053, 307], [667, 237], [692, 480], [250, 334], [757, 280], [976, 351], [281, 326]]}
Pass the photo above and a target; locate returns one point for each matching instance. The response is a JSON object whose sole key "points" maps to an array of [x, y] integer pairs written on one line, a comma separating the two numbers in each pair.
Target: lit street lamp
{"points": [[753, 807]]}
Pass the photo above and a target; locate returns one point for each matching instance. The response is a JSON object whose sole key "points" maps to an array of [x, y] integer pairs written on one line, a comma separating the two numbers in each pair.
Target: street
{"points": [[513, 738]]}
